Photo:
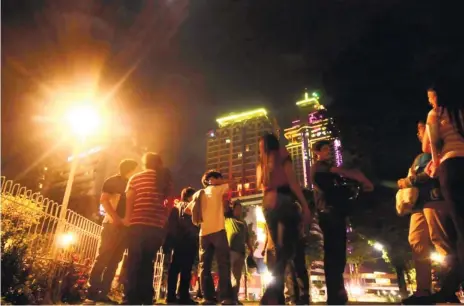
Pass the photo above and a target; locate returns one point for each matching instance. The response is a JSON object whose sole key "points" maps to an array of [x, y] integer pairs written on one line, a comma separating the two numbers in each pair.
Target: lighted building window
{"points": [[45, 168], [239, 155], [227, 140], [40, 186], [247, 148]]}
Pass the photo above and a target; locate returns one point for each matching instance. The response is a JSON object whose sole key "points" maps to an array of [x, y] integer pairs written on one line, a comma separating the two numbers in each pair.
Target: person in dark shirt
{"points": [[183, 240], [113, 236], [428, 222], [332, 218]]}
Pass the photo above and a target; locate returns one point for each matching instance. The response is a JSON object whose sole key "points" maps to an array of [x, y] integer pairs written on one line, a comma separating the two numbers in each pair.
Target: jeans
{"points": [[144, 243], [451, 176], [428, 228], [215, 243], [333, 226], [111, 249], [182, 262], [283, 223]]}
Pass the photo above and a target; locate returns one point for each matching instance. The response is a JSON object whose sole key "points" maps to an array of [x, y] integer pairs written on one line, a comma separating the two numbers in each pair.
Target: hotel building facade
{"points": [[232, 148], [313, 125]]}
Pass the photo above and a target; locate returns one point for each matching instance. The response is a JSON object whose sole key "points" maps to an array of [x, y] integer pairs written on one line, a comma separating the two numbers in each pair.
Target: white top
{"points": [[212, 209]]}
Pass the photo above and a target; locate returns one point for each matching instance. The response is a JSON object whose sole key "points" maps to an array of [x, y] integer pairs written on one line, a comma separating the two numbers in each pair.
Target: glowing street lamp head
{"points": [[83, 120]]}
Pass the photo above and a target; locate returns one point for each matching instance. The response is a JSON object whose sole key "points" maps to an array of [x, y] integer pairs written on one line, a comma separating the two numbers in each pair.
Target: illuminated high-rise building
{"points": [[232, 148], [313, 125]]}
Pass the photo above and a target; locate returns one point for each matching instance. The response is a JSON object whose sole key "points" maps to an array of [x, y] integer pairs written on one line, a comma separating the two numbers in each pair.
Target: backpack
{"points": [[198, 197]]}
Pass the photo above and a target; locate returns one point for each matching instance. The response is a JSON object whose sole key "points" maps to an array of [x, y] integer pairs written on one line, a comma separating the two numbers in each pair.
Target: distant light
{"points": [[227, 140], [378, 246], [66, 239], [87, 153], [239, 155], [101, 210], [437, 257], [259, 215], [40, 185], [211, 134], [267, 277], [45, 168], [356, 290], [315, 95]]}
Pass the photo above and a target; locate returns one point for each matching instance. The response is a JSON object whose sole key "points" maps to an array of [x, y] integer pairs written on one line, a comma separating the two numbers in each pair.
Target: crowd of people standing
{"points": [[140, 218], [437, 219]]}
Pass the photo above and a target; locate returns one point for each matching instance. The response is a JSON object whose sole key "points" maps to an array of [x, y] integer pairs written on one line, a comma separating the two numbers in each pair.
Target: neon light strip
{"points": [[239, 117], [338, 152]]}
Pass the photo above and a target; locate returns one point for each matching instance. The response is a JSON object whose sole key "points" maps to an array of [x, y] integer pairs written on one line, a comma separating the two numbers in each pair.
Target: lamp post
{"points": [[82, 120]]}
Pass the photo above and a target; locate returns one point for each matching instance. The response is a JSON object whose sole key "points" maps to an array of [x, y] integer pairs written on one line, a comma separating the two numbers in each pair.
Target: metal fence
{"points": [[38, 218]]}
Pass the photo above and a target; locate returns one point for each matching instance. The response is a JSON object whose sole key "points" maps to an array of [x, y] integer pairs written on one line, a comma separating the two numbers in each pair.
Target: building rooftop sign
{"points": [[310, 101], [234, 118]]}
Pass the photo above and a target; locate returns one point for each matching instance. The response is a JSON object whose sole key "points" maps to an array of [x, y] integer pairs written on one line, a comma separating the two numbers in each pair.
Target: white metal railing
{"points": [[80, 237]]}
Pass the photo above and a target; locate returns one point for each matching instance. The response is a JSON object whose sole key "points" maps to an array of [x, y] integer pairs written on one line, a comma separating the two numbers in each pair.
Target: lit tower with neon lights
{"points": [[313, 125], [232, 147]]}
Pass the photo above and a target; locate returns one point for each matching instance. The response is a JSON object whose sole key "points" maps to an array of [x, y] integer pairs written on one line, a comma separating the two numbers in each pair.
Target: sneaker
{"points": [[89, 302]]}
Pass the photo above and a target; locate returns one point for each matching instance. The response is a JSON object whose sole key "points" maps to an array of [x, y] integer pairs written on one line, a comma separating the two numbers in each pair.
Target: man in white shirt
{"points": [[213, 239]]}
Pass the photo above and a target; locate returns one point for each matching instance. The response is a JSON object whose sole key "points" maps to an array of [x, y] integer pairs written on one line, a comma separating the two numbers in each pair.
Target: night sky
{"points": [[371, 61]]}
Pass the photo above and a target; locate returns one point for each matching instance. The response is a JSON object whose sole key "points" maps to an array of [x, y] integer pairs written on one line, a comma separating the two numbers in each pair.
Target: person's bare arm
{"points": [[296, 189], [356, 175], [426, 143], [259, 177]]}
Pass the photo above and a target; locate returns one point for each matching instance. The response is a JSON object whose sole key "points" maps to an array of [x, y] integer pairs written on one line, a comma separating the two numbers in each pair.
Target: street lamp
{"points": [[82, 121]]}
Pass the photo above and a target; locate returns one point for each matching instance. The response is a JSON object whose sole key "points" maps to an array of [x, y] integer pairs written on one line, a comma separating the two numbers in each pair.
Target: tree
{"points": [[359, 252], [377, 221]]}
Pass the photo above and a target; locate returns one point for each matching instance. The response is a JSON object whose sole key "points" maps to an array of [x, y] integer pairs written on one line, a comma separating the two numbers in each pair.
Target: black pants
{"points": [[451, 176], [113, 242], [283, 223], [182, 261], [210, 245], [301, 273], [333, 226], [144, 243]]}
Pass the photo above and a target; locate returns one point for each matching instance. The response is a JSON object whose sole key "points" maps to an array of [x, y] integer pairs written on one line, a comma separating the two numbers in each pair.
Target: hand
{"points": [[367, 187], [307, 218], [263, 253], [401, 183]]}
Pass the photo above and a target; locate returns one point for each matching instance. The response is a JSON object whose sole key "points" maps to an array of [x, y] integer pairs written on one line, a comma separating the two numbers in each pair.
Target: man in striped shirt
{"points": [[146, 215]]}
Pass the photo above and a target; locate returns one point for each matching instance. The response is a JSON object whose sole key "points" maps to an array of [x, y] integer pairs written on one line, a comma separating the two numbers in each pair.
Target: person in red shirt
{"points": [[146, 216]]}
